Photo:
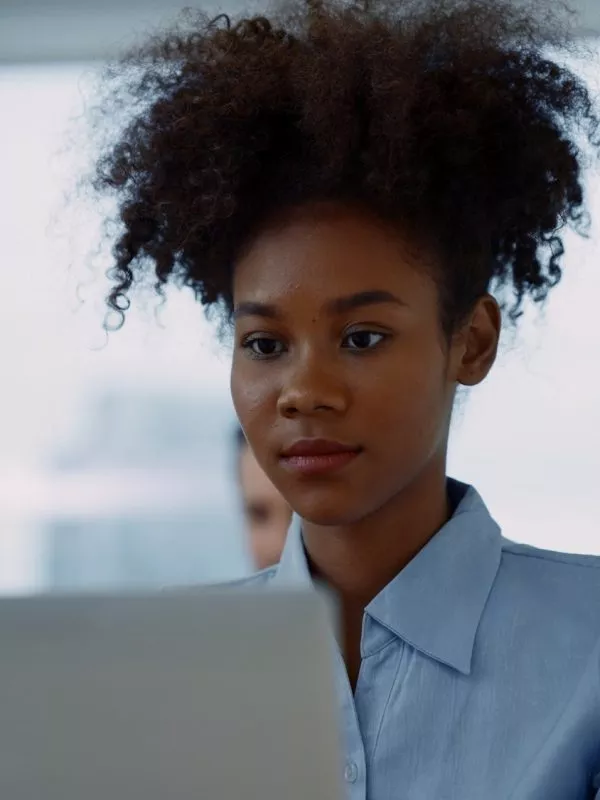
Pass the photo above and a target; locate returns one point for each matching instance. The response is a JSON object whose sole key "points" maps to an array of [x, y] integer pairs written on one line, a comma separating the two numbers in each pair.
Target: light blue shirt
{"points": [[480, 674]]}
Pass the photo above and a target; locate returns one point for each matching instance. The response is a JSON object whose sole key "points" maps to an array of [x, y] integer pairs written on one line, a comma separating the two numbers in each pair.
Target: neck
{"points": [[358, 560]]}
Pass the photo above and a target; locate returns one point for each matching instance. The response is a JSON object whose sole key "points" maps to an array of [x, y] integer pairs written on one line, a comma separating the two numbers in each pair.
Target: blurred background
{"points": [[117, 454]]}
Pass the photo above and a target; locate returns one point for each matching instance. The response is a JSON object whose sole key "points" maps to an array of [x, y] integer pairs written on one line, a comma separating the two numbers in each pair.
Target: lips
{"points": [[315, 456], [317, 447]]}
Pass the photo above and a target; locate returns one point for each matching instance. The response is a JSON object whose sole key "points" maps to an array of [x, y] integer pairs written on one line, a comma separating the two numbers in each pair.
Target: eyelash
{"points": [[248, 341]]}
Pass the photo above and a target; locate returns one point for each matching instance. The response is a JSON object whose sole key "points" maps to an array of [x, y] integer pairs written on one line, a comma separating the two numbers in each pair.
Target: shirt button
{"points": [[351, 772]]}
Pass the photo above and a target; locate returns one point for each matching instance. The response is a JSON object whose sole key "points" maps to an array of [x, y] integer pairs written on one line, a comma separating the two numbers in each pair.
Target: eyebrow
{"points": [[252, 309], [340, 305], [361, 299]]}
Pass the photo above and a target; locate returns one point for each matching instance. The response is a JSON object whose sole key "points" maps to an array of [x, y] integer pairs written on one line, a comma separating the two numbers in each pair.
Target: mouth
{"points": [[318, 456]]}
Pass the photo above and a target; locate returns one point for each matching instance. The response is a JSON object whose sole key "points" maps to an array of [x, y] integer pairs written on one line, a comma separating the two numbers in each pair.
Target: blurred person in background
{"points": [[266, 513]]}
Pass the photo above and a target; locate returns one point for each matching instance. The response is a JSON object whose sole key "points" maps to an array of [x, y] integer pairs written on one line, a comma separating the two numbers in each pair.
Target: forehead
{"points": [[326, 250]]}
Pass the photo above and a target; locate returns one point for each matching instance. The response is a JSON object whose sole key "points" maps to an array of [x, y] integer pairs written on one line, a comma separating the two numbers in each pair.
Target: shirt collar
{"points": [[436, 602]]}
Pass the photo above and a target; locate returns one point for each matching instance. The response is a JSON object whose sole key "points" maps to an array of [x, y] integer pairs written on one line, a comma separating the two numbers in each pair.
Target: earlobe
{"points": [[469, 371], [469, 377]]}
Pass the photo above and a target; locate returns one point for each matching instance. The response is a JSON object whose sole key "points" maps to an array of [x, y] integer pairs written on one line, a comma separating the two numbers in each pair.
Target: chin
{"points": [[319, 511]]}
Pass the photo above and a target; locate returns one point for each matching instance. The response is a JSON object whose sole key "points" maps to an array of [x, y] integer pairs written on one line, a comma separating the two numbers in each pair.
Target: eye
{"points": [[262, 346], [363, 340]]}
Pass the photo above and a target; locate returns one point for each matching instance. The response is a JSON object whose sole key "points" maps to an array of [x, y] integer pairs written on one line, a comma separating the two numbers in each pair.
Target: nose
{"points": [[312, 387]]}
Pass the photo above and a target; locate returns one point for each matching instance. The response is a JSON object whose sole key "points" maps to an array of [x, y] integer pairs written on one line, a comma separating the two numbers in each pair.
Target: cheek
{"points": [[254, 396], [410, 404], [431, 414]]}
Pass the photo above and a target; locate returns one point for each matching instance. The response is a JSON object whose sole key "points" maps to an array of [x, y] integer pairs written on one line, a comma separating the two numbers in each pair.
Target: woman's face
{"points": [[342, 378]]}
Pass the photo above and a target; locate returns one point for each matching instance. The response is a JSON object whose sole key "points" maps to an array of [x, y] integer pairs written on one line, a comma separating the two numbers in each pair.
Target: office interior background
{"points": [[117, 461]]}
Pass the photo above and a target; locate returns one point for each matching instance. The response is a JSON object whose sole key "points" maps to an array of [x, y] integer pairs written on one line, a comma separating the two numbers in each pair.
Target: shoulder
{"points": [[566, 565], [257, 580], [562, 587]]}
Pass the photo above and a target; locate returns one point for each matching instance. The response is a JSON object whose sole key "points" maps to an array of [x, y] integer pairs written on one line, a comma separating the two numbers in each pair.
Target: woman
{"points": [[346, 186], [266, 514]]}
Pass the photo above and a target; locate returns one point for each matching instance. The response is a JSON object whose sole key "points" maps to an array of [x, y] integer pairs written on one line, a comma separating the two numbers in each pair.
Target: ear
{"points": [[477, 342]]}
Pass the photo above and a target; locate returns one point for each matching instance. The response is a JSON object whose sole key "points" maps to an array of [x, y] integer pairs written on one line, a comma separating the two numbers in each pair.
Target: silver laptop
{"points": [[211, 695]]}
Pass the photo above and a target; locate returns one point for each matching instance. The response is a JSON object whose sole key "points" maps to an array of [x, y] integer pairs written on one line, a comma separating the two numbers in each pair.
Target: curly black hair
{"points": [[448, 117]]}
